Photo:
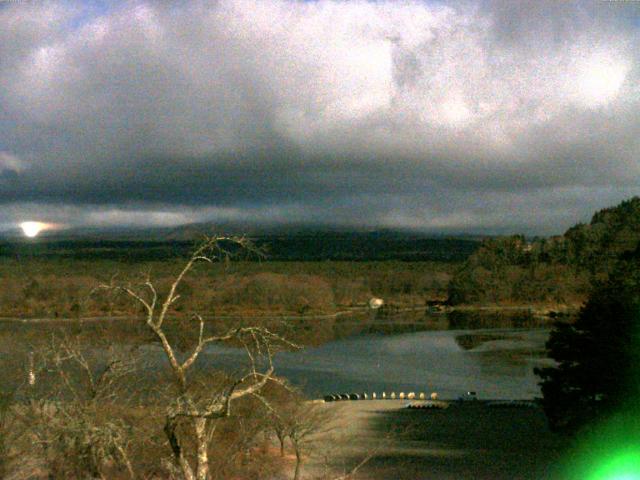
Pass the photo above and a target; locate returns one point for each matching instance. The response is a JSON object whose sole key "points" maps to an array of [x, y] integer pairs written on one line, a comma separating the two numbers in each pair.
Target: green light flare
{"points": [[622, 465], [613, 453], [610, 452]]}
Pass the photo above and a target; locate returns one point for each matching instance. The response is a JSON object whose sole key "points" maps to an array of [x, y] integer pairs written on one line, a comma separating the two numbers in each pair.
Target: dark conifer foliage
{"points": [[598, 356]]}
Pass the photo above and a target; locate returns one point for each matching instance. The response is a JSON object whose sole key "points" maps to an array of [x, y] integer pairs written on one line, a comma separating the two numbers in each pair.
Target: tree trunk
{"points": [[296, 474], [170, 431], [281, 439], [200, 425]]}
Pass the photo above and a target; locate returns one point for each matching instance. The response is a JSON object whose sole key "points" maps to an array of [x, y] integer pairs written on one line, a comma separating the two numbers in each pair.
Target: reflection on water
{"points": [[472, 341], [390, 322], [423, 361]]}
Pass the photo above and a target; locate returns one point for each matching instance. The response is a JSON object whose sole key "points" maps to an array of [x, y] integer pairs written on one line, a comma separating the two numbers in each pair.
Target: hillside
{"points": [[556, 270]]}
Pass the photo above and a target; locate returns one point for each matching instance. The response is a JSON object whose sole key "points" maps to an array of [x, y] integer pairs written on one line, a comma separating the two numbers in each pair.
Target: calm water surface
{"points": [[496, 363], [448, 355]]}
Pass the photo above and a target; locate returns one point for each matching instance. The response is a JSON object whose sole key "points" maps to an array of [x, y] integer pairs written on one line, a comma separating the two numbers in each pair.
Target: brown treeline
{"points": [[37, 288]]}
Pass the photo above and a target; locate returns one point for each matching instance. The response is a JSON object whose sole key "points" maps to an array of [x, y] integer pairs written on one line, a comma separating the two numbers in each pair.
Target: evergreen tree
{"points": [[598, 357]]}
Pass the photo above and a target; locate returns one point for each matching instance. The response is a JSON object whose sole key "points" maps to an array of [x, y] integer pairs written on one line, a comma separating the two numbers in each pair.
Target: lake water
{"points": [[446, 354], [496, 363]]}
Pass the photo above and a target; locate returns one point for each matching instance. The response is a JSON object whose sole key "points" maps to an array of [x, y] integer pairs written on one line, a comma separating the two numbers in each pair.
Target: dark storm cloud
{"points": [[466, 116]]}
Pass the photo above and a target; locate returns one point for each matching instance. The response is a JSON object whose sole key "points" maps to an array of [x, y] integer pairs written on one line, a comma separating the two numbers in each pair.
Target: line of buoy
{"points": [[382, 396], [421, 401], [428, 405], [512, 404]]}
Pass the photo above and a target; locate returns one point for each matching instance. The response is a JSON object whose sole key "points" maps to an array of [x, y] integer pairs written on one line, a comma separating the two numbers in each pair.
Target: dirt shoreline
{"points": [[469, 440]]}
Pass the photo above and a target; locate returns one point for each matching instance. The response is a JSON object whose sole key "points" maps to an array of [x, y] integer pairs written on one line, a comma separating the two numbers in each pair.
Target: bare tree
{"points": [[68, 415], [93, 381], [192, 413], [310, 428], [291, 416], [305, 422]]}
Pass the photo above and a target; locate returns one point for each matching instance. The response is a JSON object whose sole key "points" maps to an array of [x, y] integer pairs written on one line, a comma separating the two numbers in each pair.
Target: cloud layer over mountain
{"points": [[486, 115]]}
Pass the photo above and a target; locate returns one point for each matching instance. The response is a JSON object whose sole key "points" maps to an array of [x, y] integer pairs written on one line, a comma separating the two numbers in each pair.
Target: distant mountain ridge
{"points": [[303, 245]]}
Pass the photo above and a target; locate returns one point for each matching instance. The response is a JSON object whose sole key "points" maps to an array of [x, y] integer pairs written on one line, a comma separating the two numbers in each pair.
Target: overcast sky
{"points": [[463, 116]]}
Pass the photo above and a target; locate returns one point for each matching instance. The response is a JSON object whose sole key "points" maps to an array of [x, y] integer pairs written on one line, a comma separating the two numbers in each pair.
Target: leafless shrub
{"points": [[69, 409], [5, 429]]}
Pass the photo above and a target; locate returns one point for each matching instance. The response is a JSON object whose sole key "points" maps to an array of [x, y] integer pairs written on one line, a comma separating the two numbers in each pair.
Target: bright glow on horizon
{"points": [[32, 229]]}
